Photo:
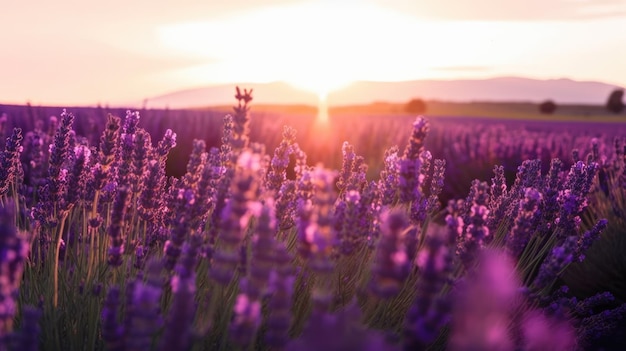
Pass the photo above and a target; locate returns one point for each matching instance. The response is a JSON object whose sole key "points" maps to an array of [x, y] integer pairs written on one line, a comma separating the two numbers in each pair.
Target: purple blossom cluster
{"points": [[248, 251], [14, 251]]}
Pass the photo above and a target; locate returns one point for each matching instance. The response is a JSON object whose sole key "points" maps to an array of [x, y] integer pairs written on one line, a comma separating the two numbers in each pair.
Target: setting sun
{"points": [[318, 47]]}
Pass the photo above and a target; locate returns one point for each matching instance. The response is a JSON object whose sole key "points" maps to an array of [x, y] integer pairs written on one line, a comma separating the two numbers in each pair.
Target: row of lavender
{"points": [[472, 146], [116, 255]]}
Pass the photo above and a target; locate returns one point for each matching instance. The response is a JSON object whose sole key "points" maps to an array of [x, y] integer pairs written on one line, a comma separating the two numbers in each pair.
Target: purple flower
{"points": [[205, 189], [10, 161], [553, 265], [179, 226], [436, 185], [316, 236], [315, 222], [165, 145], [196, 163], [573, 198], [301, 159], [286, 205], [178, 330], [350, 226], [116, 228], [56, 185], [454, 220], [541, 332], [126, 174], [430, 309], [347, 167], [476, 233], [339, 331], [601, 324], [14, 250], [142, 151], [241, 120], [528, 176], [150, 200], [3, 123], [278, 166], [235, 217], [483, 304], [593, 304], [525, 223], [131, 122], [553, 185], [281, 284], [33, 162], [112, 332], [411, 176], [589, 237], [263, 247], [77, 179], [416, 141], [143, 310], [246, 320], [497, 198], [109, 142], [389, 176], [391, 264], [410, 179]]}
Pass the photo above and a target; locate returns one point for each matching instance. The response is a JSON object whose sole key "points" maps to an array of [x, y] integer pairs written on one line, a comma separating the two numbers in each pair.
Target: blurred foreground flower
{"points": [[493, 292]]}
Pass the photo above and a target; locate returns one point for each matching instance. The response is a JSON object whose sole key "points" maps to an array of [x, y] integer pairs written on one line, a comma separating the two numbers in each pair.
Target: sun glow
{"points": [[319, 47], [323, 46]]}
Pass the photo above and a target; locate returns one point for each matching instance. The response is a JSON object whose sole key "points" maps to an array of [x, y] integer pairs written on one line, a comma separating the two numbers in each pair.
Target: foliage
{"points": [[614, 103], [547, 107], [415, 106]]}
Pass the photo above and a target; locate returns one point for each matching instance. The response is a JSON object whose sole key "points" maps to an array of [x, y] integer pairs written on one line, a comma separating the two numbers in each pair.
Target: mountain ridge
{"points": [[497, 89]]}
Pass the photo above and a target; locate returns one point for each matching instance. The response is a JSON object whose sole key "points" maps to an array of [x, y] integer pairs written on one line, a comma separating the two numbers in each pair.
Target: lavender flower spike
{"points": [[9, 160], [13, 252], [391, 264], [430, 310], [235, 216], [278, 167], [589, 237], [525, 223], [178, 328], [559, 258], [115, 230]]}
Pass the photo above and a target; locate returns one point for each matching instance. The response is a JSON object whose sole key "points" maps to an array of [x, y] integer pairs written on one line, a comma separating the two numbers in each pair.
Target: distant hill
{"points": [[264, 93], [510, 89]]}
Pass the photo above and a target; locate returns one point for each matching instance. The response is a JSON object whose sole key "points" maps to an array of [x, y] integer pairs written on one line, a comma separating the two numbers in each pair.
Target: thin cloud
{"points": [[461, 68], [497, 10]]}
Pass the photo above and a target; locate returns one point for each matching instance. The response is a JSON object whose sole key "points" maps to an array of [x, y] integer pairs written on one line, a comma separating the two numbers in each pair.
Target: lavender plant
{"points": [[243, 252]]}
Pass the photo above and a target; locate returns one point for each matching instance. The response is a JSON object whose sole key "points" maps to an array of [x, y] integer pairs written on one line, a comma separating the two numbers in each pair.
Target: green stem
{"points": [[92, 234], [55, 298]]}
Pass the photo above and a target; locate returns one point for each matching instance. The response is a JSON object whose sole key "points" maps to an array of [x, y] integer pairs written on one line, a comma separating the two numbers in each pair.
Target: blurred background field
{"points": [[473, 137]]}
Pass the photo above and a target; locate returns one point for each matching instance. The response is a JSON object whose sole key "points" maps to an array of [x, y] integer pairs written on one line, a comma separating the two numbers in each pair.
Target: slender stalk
{"points": [[92, 235], [55, 298]]}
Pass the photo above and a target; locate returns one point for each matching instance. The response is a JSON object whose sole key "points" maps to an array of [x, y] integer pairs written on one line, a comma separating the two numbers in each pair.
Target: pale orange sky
{"points": [[65, 52]]}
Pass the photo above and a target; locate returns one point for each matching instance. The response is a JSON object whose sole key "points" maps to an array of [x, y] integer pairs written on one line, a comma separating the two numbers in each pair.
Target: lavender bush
{"points": [[101, 248]]}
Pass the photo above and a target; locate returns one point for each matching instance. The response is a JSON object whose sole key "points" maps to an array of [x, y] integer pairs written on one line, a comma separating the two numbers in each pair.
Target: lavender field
{"points": [[191, 230]]}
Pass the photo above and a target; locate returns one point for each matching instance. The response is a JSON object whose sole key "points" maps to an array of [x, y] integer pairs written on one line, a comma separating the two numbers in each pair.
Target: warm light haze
{"points": [[119, 52]]}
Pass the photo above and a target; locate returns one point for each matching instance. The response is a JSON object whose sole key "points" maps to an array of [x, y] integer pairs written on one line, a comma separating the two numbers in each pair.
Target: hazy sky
{"points": [[66, 52]]}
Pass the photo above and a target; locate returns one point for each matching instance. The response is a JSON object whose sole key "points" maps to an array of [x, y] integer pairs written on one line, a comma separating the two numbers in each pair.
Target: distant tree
{"points": [[547, 107], [615, 104], [415, 106]]}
